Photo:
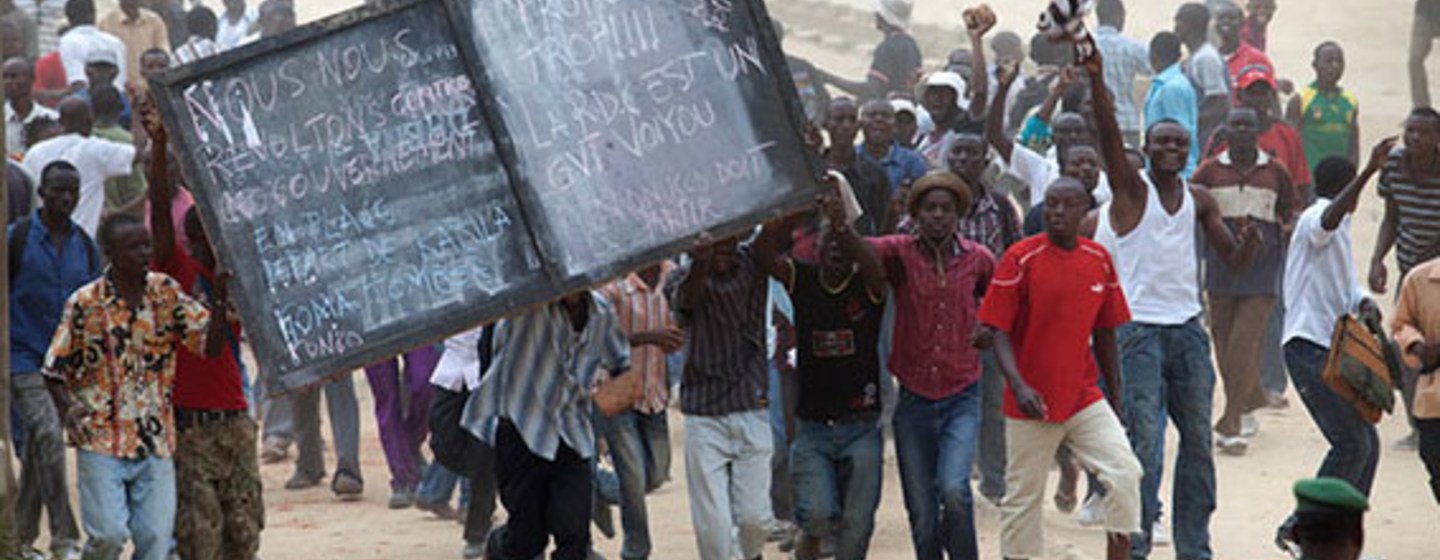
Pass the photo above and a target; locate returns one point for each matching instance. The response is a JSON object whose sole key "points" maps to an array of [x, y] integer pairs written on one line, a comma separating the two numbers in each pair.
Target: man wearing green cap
{"points": [[1329, 515]]}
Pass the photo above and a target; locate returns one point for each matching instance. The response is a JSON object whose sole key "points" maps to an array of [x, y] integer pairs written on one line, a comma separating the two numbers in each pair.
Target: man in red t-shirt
{"points": [[1051, 372], [219, 509]]}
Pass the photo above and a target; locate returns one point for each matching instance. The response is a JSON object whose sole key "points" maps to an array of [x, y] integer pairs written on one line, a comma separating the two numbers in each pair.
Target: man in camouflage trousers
{"points": [[219, 512]]}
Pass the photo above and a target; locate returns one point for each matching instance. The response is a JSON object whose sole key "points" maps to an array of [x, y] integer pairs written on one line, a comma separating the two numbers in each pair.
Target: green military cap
{"points": [[1328, 494]]}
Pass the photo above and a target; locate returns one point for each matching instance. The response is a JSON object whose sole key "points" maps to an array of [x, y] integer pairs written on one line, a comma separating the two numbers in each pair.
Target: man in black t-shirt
{"points": [[836, 454], [896, 62]]}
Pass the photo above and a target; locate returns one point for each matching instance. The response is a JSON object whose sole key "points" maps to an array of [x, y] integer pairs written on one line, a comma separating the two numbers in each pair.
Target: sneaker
{"points": [[72, 553], [32, 554], [1249, 426], [274, 450], [473, 550], [1159, 536], [402, 499], [347, 487], [441, 510], [301, 481], [1232, 445], [1410, 442], [1092, 513]]}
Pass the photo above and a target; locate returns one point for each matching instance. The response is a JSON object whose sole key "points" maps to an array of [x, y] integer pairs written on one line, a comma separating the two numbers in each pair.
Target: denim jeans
{"points": [[992, 428], [782, 417], [123, 500], [438, 483], [837, 476], [935, 447], [639, 448], [727, 467], [1167, 369], [1354, 443]]}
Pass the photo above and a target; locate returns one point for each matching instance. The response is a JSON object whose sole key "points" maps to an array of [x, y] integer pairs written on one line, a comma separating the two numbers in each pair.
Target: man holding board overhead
{"points": [[534, 405]]}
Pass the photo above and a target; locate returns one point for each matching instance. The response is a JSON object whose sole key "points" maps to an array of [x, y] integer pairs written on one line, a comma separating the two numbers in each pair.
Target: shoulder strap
{"points": [[92, 253], [17, 243]]}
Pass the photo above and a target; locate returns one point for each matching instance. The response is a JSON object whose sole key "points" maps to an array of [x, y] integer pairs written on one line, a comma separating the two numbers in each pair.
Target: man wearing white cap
{"points": [[897, 58], [955, 105]]}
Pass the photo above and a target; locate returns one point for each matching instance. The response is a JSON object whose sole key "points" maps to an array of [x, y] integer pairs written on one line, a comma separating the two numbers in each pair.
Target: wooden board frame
{"points": [[169, 85]]}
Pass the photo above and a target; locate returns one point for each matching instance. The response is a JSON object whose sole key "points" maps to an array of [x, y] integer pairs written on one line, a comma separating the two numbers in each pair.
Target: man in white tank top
{"points": [[1149, 227]]}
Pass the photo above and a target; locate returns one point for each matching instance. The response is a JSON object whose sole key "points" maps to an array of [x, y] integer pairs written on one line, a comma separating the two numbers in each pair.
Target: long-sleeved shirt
{"points": [[1124, 59], [1417, 314], [38, 290], [147, 31], [542, 376]]}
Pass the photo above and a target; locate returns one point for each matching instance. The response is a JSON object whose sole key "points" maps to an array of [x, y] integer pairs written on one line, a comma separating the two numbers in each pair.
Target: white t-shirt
{"points": [[96, 158], [229, 35], [76, 46], [459, 366], [15, 126], [1320, 280], [1038, 171]]}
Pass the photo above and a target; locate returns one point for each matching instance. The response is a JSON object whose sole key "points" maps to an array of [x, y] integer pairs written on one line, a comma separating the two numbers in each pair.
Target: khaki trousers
{"points": [[1098, 441]]}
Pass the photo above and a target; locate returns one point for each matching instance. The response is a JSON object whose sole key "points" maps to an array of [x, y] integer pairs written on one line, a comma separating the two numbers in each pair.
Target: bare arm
{"points": [[1349, 198], [995, 120], [1354, 140], [161, 192], [1030, 402], [1125, 181], [1384, 241], [852, 87], [978, 22], [1292, 114], [766, 251], [1237, 250]]}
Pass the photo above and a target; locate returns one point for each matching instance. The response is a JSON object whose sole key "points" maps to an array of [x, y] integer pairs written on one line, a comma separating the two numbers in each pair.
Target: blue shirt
{"points": [[37, 296], [900, 164], [1173, 97], [542, 375]]}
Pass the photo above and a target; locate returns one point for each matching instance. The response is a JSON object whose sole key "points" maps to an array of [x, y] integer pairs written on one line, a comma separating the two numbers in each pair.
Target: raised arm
{"points": [[995, 121], [1125, 182], [979, 21], [767, 254], [160, 193], [1348, 199], [871, 271]]}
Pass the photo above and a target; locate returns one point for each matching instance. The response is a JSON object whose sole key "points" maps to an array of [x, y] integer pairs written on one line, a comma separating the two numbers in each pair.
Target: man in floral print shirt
{"points": [[111, 367]]}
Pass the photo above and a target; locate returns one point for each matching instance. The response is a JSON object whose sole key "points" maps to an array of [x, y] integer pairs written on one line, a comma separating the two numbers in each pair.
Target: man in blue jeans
{"points": [[1151, 228], [1321, 285], [835, 458], [639, 438], [937, 277], [111, 369]]}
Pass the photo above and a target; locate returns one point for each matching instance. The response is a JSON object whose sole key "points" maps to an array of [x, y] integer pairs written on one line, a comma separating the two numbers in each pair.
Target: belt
{"points": [[194, 418]]}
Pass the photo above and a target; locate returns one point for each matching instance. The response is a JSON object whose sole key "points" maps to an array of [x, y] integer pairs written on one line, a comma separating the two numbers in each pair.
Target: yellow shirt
{"points": [[147, 31], [1417, 316]]}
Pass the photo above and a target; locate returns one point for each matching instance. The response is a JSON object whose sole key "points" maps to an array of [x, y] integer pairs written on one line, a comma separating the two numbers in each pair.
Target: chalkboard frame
{"points": [[168, 90], [170, 104], [802, 199]]}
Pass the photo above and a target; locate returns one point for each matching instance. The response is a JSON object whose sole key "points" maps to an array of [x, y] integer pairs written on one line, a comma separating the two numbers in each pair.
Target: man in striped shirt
{"points": [[533, 405], [720, 300], [1410, 185], [639, 438]]}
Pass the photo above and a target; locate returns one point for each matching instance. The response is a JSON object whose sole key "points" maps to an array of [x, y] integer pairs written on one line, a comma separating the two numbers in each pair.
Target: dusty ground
{"points": [[1253, 490]]}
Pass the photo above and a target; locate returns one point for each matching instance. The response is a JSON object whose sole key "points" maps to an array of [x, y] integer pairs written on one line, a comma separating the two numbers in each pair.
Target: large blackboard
{"points": [[639, 122], [406, 170]]}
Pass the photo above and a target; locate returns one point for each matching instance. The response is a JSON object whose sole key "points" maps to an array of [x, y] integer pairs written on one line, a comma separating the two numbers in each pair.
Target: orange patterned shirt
{"points": [[117, 362]]}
